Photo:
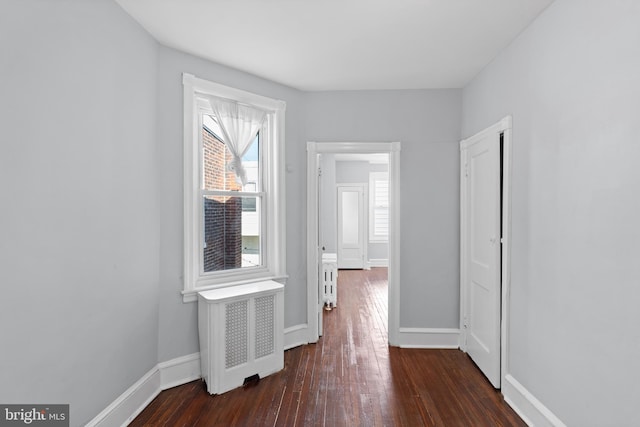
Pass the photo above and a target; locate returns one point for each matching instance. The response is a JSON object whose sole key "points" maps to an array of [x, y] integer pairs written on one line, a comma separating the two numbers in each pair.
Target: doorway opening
{"points": [[361, 313], [322, 224]]}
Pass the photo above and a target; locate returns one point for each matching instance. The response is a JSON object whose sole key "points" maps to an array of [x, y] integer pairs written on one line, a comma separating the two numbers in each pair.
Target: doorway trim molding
{"points": [[314, 149], [505, 127]]}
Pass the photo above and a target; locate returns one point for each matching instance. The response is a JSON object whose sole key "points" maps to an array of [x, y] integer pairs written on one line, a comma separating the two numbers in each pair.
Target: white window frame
{"points": [[373, 177], [273, 222]]}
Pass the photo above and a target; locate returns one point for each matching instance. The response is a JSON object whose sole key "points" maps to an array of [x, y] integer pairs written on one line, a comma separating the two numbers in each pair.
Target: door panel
{"points": [[350, 218], [351, 226], [482, 256]]}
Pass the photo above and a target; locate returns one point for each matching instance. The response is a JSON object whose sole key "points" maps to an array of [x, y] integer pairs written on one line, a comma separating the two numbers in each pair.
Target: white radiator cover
{"points": [[241, 331]]}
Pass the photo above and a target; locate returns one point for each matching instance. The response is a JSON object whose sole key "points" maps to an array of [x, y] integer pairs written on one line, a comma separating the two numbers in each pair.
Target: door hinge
{"points": [[319, 171], [466, 169]]}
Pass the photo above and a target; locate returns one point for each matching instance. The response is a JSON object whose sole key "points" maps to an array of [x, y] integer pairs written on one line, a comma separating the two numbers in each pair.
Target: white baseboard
{"points": [[184, 369], [530, 409], [130, 403], [180, 370], [295, 336], [133, 401], [428, 338], [165, 375], [378, 263]]}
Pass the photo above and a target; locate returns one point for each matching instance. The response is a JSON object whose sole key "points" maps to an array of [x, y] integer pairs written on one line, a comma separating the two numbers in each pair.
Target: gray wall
{"points": [[571, 83], [78, 224], [178, 321], [428, 128], [91, 224], [427, 122]]}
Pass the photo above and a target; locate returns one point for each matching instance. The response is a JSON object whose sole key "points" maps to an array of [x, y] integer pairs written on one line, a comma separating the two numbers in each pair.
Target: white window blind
{"points": [[379, 210]]}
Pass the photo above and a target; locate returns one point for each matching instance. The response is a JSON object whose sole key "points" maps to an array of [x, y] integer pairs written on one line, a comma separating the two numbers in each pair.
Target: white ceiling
{"points": [[342, 44]]}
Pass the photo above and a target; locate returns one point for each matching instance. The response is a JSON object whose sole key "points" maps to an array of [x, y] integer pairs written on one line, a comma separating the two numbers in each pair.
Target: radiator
{"points": [[329, 280], [241, 331]]}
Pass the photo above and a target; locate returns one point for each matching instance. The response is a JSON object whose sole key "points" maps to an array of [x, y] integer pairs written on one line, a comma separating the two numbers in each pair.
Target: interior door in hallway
{"points": [[481, 257], [351, 226]]}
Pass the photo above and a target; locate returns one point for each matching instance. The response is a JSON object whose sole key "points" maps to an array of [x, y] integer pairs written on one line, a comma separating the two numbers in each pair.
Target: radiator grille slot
{"points": [[236, 333], [265, 344]]}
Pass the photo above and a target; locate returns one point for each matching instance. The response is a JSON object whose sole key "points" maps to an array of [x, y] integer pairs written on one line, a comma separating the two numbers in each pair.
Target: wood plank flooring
{"points": [[351, 377]]}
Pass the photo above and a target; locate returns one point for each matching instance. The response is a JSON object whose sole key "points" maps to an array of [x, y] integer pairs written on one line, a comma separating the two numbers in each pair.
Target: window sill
{"points": [[191, 295]]}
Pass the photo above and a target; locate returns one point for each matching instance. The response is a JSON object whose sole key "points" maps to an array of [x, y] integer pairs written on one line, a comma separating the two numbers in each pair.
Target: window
{"points": [[379, 206], [233, 187]]}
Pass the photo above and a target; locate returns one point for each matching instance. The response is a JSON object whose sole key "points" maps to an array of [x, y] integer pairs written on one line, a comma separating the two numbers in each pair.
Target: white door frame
{"points": [[314, 150], [504, 126]]}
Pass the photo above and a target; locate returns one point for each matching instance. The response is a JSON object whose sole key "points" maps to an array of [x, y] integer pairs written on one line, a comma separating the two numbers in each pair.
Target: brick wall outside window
{"points": [[222, 215]]}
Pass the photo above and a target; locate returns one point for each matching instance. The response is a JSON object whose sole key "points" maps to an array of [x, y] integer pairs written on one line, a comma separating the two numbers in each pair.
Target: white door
{"points": [[351, 226], [481, 255]]}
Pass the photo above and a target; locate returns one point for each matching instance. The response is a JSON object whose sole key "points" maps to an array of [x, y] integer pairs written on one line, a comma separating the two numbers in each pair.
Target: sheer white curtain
{"points": [[239, 125]]}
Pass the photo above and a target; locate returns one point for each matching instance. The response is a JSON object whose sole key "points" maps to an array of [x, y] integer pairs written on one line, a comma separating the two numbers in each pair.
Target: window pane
{"points": [[251, 164], [216, 157], [248, 204], [231, 235]]}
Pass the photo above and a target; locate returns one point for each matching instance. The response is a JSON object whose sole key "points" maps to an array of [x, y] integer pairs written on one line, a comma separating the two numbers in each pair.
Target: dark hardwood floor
{"points": [[351, 377]]}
